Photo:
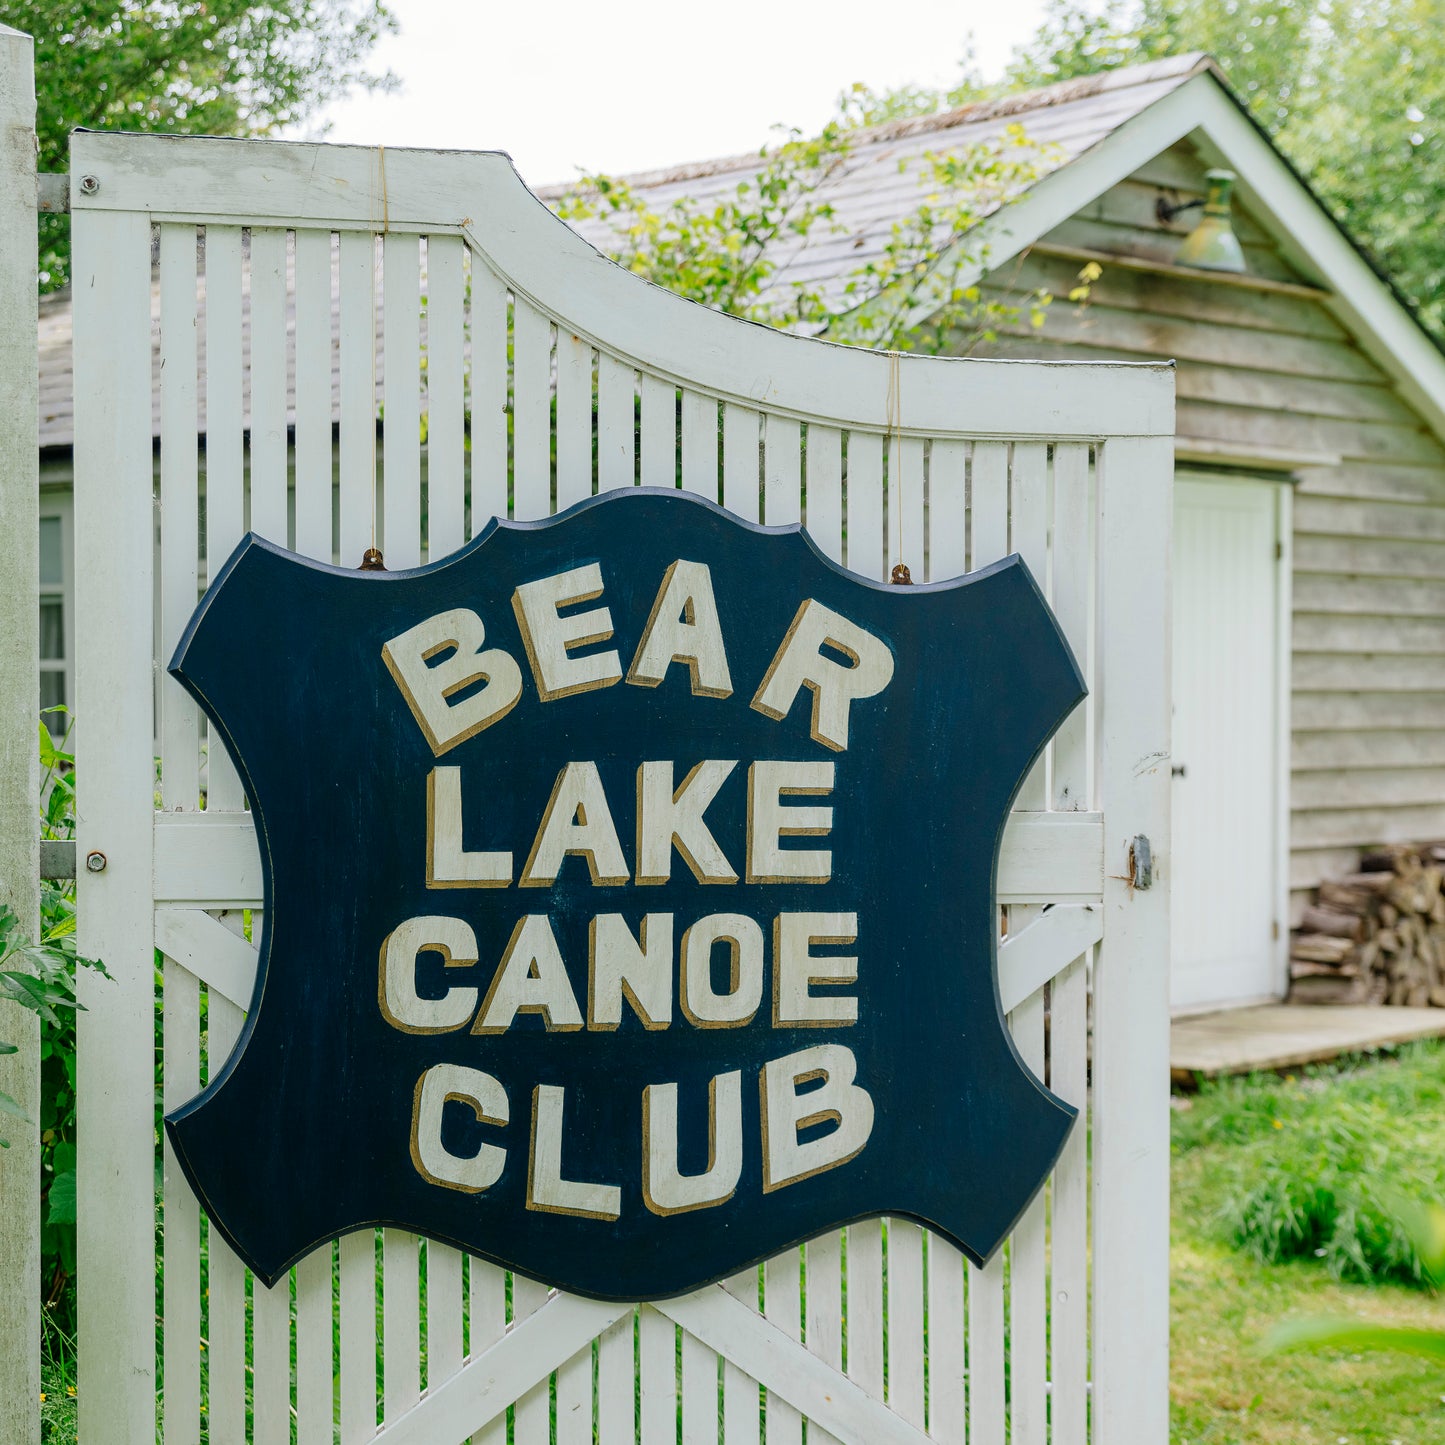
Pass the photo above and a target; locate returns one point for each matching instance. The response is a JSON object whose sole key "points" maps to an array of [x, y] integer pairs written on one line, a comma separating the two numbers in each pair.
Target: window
{"points": [[57, 604]]}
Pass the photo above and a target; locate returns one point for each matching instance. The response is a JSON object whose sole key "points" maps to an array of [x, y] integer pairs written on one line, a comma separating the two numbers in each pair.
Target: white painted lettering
{"points": [[428, 686], [486, 1098], [769, 782], [400, 1003], [551, 638], [665, 1189], [684, 627], [836, 686], [786, 1113], [668, 819], [547, 1189]]}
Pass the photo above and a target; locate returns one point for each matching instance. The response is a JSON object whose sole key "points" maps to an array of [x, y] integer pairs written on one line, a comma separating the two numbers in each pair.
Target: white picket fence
{"points": [[264, 297]]}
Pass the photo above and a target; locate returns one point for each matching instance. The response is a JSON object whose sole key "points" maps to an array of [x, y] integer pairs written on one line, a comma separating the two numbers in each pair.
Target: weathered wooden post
{"points": [[19, 757]]}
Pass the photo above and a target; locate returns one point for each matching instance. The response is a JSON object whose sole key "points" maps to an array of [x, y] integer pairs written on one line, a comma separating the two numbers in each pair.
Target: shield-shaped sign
{"points": [[629, 905]]}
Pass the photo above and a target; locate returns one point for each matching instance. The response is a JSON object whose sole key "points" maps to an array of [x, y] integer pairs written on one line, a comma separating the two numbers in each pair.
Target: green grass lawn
{"points": [[1296, 1166]]}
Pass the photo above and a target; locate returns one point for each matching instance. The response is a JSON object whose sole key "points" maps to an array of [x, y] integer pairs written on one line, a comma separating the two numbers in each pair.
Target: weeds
{"points": [[1315, 1163]]}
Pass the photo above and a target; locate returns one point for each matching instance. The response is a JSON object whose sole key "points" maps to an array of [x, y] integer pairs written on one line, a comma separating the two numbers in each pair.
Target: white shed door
{"points": [[1225, 741]]}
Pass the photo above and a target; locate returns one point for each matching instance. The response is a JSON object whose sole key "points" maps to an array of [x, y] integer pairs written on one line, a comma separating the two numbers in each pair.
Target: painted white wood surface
{"points": [[1226, 630], [972, 477]]}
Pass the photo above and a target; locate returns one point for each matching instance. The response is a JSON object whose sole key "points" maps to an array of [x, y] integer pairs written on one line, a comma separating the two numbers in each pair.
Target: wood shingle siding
{"points": [[1262, 374]]}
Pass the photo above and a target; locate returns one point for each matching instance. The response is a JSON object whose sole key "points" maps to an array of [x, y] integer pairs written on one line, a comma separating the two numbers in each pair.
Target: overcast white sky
{"points": [[623, 85]]}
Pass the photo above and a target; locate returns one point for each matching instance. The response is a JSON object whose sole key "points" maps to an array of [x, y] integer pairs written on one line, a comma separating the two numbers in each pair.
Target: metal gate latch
{"points": [[1141, 863]]}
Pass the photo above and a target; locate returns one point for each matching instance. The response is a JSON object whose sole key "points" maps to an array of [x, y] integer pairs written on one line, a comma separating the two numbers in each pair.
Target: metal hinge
{"points": [[52, 193], [1141, 863]]}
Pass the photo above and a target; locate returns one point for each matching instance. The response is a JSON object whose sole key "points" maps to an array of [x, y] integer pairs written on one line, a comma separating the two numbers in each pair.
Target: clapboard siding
{"points": [[1316, 592], [1378, 748], [1330, 632], [1374, 482], [1264, 374]]}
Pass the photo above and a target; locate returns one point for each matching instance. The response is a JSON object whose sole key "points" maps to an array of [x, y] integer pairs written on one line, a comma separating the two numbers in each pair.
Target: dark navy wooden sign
{"points": [[629, 897]]}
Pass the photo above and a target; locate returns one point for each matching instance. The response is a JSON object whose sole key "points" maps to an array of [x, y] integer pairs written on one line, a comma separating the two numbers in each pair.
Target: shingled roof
{"points": [[876, 185]]}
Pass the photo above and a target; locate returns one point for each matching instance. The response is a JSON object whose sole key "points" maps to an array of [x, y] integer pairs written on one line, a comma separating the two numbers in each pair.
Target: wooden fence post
{"points": [[19, 756]]}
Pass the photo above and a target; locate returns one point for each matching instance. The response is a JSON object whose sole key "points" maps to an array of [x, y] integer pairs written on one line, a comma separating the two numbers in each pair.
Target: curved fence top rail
{"points": [[478, 194]]}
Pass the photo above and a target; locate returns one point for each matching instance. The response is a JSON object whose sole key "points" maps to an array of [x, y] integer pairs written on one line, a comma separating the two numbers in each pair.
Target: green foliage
{"points": [[732, 250], [1315, 1166], [1425, 1224], [1353, 94], [197, 67], [41, 977]]}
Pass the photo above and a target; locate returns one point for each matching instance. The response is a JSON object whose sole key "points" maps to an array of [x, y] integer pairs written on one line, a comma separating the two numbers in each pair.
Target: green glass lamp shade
{"points": [[1212, 244]]}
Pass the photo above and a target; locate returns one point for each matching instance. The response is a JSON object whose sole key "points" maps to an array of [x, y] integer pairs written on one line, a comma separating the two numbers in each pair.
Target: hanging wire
{"points": [[378, 208], [901, 576]]}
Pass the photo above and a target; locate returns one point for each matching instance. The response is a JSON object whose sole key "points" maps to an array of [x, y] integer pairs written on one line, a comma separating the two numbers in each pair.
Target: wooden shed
{"points": [[1309, 555]]}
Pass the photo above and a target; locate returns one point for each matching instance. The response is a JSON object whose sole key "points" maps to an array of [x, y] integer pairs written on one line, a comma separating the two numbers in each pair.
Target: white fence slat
{"points": [[445, 397], [313, 394], [985, 1353], [947, 510], [616, 1377], [356, 281], [1029, 537], [1041, 942], [699, 1393], [947, 1420], [742, 1398], [824, 1309], [699, 444], [226, 1294], [180, 718], [487, 1320], [181, 1058], [401, 1316], [115, 521], [657, 1378], [823, 501], [269, 366], [782, 471], [315, 1370], [988, 504], [357, 1270], [1073, 563], [491, 484], [740, 461], [574, 1400], [864, 1282], [1131, 985], [225, 442], [443, 1313], [532, 1421], [401, 383], [865, 505], [1028, 1323], [531, 412], [905, 1320], [782, 1304], [574, 418], [1068, 1304], [616, 423], [270, 1342], [658, 459], [906, 539], [271, 1361]]}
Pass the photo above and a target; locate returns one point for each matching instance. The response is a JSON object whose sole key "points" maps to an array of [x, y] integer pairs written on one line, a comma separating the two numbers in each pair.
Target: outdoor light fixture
{"points": [[1212, 244]]}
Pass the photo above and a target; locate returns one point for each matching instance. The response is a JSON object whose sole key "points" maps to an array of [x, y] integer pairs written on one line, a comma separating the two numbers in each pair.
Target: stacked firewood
{"points": [[1376, 936]]}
